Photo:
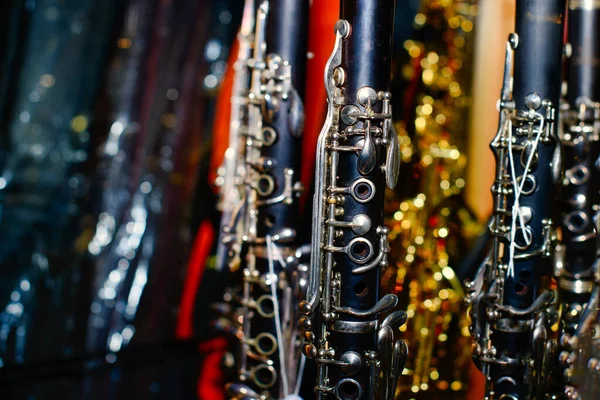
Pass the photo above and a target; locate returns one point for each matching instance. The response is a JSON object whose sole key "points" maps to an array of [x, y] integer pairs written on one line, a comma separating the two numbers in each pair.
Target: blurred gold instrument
{"points": [[431, 228]]}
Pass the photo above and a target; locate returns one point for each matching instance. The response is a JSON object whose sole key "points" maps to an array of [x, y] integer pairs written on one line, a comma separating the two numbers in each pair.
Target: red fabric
{"points": [[200, 252], [210, 381], [476, 383]]}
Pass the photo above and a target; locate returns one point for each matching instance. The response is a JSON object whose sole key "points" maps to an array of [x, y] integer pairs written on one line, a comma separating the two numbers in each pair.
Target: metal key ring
{"points": [[348, 389], [264, 349], [264, 185], [268, 136], [359, 250], [264, 376], [529, 232], [577, 175], [529, 186], [576, 221], [362, 190], [260, 307]]}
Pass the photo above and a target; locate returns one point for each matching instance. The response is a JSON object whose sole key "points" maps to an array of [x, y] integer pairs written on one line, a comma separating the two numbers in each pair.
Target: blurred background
{"points": [[112, 126]]}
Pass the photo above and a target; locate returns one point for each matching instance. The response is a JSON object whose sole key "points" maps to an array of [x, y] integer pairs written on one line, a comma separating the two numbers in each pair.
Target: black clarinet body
{"points": [[365, 66], [357, 155], [581, 150], [511, 296], [580, 137], [286, 20], [271, 255], [537, 71], [584, 40]]}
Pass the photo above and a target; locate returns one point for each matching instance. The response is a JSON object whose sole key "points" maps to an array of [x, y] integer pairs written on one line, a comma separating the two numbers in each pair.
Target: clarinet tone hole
{"points": [[265, 185], [264, 376], [529, 185], [523, 238], [360, 250], [576, 221], [363, 190], [265, 306], [361, 289], [348, 389], [266, 344], [268, 136], [579, 176]]}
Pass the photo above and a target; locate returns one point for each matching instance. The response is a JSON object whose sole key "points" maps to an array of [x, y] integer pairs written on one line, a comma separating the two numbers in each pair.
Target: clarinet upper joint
{"points": [[348, 241], [512, 303]]}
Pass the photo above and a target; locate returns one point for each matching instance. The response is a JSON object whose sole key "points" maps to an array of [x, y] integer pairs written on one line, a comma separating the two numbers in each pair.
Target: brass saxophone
{"points": [[431, 231]]}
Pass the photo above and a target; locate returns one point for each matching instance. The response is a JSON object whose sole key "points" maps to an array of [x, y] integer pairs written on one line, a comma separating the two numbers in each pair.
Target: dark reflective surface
{"points": [[105, 110]]}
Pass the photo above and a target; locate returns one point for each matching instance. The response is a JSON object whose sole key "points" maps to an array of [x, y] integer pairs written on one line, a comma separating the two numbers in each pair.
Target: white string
{"points": [[518, 188], [300, 374], [280, 346], [273, 252]]}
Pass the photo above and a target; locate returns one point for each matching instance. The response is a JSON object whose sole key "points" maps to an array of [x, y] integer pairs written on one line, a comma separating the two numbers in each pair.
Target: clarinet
{"points": [[581, 354], [577, 262], [269, 356], [511, 299], [230, 200], [357, 355], [231, 173]]}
